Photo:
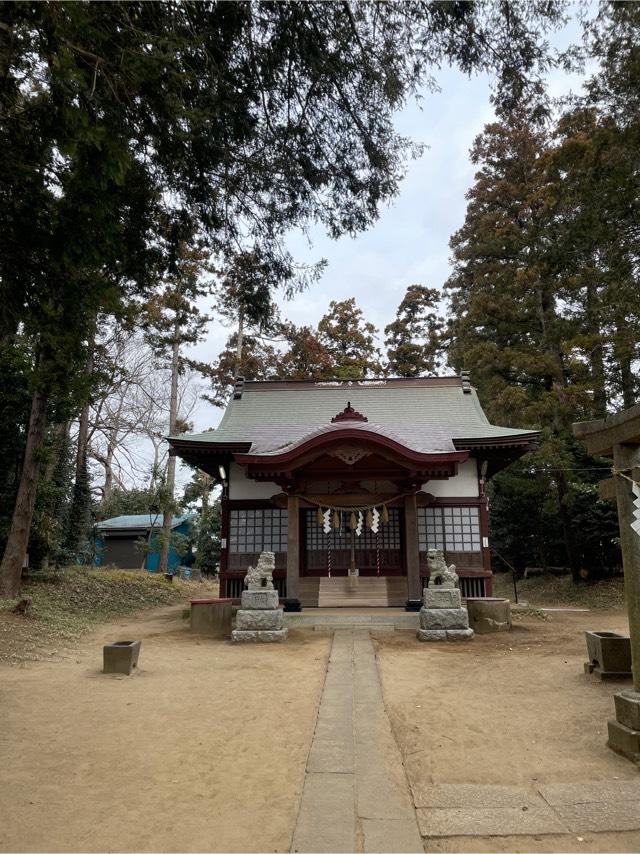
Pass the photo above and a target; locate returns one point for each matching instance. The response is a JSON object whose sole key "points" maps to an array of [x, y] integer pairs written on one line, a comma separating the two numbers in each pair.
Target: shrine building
{"points": [[350, 483]]}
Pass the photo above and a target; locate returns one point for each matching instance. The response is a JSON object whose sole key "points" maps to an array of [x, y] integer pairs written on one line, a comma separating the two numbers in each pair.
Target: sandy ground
{"points": [[202, 750], [513, 708]]}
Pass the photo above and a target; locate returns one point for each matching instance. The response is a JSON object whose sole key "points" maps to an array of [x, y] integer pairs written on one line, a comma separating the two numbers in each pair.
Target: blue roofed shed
{"points": [[117, 541]]}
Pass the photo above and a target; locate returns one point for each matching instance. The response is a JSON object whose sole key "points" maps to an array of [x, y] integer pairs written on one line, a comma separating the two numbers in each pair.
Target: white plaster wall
{"points": [[242, 487], [463, 485]]}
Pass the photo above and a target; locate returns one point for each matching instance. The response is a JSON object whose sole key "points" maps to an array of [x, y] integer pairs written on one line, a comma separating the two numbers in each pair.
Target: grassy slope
{"points": [[559, 590], [68, 602]]}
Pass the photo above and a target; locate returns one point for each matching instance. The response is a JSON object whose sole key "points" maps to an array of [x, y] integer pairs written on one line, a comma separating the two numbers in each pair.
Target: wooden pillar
{"points": [[626, 458], [412, 556], [293, 546]]}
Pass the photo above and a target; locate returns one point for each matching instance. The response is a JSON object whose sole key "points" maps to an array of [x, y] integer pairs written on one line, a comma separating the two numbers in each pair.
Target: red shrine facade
{"points": [[351, 483]]}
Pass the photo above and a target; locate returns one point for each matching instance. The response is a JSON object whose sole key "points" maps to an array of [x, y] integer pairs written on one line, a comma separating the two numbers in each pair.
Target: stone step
{"points": [[362, 592]]}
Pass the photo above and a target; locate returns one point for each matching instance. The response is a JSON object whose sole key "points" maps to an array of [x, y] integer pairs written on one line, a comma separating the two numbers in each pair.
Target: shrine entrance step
{"points": [[362, 592], [367, 618]]}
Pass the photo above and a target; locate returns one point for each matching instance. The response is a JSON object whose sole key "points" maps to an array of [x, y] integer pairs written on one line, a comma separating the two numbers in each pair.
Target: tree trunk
{"points": [[18, 539], [239, 343], [596, 354], [557, 383], [171, 462], [60, 436], [623, 353], [80, 511]]}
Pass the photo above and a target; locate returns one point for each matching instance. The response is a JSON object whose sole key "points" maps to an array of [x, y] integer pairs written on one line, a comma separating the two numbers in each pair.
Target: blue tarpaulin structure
{"points": [[117, 541]]}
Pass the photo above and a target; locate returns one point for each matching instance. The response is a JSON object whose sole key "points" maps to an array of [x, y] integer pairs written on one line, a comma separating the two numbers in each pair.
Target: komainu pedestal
{"points": [[442, 616], [260, 618]]}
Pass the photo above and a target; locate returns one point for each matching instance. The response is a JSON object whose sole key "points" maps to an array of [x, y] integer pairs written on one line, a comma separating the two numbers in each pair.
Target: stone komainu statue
{"points": [[439, 573], [260, 577]]}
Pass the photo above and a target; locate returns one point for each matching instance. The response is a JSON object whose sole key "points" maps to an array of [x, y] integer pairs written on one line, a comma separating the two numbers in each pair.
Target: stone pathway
{"points": [[449, 809], [355, 795]]}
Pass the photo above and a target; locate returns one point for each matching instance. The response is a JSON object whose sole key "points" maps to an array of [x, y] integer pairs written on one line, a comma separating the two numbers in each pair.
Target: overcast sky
{"points": [[410, 242]]}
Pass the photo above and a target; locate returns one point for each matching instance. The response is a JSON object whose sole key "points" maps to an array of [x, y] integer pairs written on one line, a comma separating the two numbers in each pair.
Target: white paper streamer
{"points": [[635, 525], [375, 525], [326, 521]]}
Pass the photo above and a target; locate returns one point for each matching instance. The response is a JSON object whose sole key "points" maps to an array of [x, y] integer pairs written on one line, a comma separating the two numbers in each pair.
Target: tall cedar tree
{"points": [[413, 340], [250, 117], [350, 341], [245, 296], [507, 326], [172, 319], [306, 357]]}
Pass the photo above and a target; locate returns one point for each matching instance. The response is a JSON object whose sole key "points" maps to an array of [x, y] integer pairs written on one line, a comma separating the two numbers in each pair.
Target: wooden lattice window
{"points": [[455, 529], [257, 530]]}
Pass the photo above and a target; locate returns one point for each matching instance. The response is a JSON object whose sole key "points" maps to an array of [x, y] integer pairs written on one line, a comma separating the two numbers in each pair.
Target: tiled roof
{"points": [[424, 414], [140, 521]]}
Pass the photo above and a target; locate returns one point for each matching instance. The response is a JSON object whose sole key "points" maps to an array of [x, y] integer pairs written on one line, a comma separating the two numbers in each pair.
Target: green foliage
{"points": [[206, 530], [350, 341], [259, 361], [545, 311], [127, 128], [306, 358], [414, 338], [15, 402], [124, 502]]}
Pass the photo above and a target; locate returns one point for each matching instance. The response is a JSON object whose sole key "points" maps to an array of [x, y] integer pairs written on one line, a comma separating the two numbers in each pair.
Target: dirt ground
{"points": [[202, 750], [513, 708]]}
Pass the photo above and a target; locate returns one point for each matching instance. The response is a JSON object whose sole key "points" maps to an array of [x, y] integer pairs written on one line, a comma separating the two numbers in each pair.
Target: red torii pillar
{"points": [[618, 436]]}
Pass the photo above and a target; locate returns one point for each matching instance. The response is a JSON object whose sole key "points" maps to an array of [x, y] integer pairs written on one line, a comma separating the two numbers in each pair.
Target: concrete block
{"points": [[563, 794], [211, 617], [628, 709], [326, 795], [431, 635], [444, 634], [434, 597], [259, 620], [609, 653], [275, 636], [477, 795], [624, 740], [444, 618], [259, 599], [507, 821], [488, 615], [459, 634], [389, 835], [600, 816], [121, 657]]}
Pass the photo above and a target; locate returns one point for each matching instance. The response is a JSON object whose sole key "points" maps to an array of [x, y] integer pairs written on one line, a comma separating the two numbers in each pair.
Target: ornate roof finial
{"points": [[348, 414]]}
